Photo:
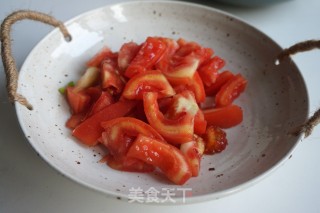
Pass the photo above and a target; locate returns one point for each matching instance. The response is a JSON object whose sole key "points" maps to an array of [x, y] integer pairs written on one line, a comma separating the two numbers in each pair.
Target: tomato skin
{"points": [[126, 54], [230, 90], [78, 101], [200, 123], [90, 129], [150, 81], [120, 132], [224, 117], [178, 130], [192, 152], [209, 70], [104, 100], [110, 78], [222, 78], [150, 52], [128, 164], [74, 120], [166, 157], [182, 70], [104, 53], [215, 140]]}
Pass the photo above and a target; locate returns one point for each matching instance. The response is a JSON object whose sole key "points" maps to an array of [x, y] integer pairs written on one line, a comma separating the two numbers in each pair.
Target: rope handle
{"points": [[12, 73], [308, 45], [9, 63]]}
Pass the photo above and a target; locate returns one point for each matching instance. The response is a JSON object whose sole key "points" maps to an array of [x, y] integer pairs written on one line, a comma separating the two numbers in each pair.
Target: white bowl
{"points": [[274, 103]]}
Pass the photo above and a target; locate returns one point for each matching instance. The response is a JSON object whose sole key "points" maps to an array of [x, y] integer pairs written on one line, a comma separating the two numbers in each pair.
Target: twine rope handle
{"points": [[314, 120], [9, 63]]}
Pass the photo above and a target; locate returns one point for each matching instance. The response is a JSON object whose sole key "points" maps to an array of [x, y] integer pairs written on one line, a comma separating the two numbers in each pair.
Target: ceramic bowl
{"points": [[256, 147]]}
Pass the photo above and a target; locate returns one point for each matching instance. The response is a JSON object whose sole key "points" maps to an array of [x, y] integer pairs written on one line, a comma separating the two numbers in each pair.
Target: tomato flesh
{"points": [[230, 90], [224, 117], [151, 81], [90, 130], [166, 157]]}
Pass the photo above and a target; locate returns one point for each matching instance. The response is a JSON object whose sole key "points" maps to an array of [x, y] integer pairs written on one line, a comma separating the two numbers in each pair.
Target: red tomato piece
{"points": [[193, 153], [126, 54], [209, 70], [224, 117], [103, 101], [150, 52], [178, 130], [200, 123], [78, 101], [75, 120], [182, 71], [151, 81], [128, 164], [103, 54], [110, 78], [89, 131], [197, 88], [215, 140], [230, 90], [120, 132], [166, 157], [164, 61], [222, 78]]}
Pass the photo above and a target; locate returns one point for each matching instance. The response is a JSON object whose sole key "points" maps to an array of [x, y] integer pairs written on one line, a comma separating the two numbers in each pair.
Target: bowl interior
{"points": [[274, 103]]}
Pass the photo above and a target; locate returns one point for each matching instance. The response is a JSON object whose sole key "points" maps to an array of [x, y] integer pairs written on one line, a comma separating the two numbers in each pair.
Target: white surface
{"points": [[28, 184]]}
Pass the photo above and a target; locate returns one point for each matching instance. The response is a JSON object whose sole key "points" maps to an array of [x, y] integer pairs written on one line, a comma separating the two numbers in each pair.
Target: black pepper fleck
{"points": [[211, 169]]}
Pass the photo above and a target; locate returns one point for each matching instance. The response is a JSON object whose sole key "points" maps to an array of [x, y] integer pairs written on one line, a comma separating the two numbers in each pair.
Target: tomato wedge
{"points": [[128, 164], [78, 101], [200, 123], [126, 54], [90, 130], [110, 78], [178, 130], [215, 140], [224, 117], [230, 90], [104, 53], [209, 70], [150, 52], [150, 81], [222, 78], [166, 157], [120, 132], [193, 152]]}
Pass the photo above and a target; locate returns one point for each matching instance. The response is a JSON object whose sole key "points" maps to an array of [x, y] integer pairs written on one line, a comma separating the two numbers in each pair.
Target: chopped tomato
{"points": [[224, 117], [200, 123], [128, 164], [120, 132], [178, 130], [166, 157], [150, 52], [104, 53], [75, 120], [110, 78], [222, 78], [90, 130], [230, 90], [78, 101], [182, 71], [192, 152], [164, 62], [103, 101], [215, 140], [151, 81], [126, 54], [209, 70]]}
